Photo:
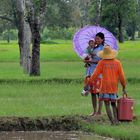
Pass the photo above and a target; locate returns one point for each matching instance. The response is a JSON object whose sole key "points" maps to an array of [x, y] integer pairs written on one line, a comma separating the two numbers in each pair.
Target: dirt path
{"points": [[63, 123]]}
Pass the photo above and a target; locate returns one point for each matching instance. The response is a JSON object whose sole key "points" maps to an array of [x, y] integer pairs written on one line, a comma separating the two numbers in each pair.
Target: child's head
{"points": [[91, 43], [100, 38]]}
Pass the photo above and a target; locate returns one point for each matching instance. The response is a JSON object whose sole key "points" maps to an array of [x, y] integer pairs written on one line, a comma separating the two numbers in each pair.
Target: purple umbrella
{"points": [[82, 37]]}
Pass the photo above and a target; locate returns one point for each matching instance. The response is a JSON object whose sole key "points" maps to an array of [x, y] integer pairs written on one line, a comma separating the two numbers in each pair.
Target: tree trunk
{"points": [[35, 21], [139, 33], [98, 12], [133, 31], [8, 38], [24, 37], [8, 35], [27, 41], [35, 65], [20, 13], [121, 38]]}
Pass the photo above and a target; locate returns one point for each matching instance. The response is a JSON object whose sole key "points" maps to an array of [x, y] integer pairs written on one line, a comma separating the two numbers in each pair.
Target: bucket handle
{"points": [[125, 95]]}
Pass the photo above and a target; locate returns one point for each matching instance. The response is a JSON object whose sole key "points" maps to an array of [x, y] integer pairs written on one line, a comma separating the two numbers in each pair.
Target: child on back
{"points": [[112, 72]]}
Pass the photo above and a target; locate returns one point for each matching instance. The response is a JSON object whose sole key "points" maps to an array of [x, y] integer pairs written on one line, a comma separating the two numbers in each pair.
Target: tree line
{"points": [[31, 17]]}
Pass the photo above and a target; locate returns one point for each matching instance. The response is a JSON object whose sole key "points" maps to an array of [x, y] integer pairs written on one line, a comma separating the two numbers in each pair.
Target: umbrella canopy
{"points": [[82, 37]]}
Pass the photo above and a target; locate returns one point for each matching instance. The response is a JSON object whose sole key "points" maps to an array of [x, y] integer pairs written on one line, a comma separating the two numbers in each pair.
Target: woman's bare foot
{"points": [[117, 122], [92, 114], [98, 114]]}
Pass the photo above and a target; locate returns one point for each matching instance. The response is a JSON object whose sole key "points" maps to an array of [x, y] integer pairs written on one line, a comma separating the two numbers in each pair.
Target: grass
{"points": [[125, 131], [21, 95], [49, 70], [63, 51], [56, 99], [61, 70], [49, 99], [41, 100]]}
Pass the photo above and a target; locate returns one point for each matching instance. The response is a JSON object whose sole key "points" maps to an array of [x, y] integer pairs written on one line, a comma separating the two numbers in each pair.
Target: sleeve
{"points": [[100, 49], [87, 50], [96, 73], [122, 76]]}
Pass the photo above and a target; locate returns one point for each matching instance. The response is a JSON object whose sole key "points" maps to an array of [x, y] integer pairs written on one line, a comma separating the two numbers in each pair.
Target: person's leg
{"points": [[97, 85], [94, 104], [100, 104], [108, 111], [114, 108], [86, 80]]}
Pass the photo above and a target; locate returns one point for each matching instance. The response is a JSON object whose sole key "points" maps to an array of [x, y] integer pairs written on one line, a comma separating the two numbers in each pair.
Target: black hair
{"points": [[90, 41], [102, 36]]}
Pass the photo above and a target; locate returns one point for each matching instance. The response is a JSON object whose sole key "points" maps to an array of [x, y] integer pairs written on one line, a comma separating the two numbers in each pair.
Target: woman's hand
{"points": [[95, 62], [124, 91], [93, 54], [87, 61]]}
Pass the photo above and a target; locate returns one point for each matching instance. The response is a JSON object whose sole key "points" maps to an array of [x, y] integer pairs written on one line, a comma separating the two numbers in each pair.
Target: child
{"points": [[112, 72], [89, 53]]}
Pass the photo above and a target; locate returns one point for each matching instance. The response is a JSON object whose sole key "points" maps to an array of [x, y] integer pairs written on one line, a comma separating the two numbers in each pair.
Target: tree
{"points": [[59, 14], [138, 19], [24, 36], [14, 12], [7, 21], [27, 16], [35, 15], [95, 12], [126, 12], [98, 11], [115, 13]]}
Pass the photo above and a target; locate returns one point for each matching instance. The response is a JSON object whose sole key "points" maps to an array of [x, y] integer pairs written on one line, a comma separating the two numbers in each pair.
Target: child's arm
{"points": [[122, 78]]}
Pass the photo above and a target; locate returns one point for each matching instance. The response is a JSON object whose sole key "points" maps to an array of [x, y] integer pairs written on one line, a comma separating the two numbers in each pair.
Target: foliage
{"points": [[58, 14], [77, 13], [58, 33], [11, 34], [112, 10]]}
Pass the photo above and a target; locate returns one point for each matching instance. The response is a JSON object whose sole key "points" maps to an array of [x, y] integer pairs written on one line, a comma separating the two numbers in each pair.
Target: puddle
{"points": [[57, 135]]}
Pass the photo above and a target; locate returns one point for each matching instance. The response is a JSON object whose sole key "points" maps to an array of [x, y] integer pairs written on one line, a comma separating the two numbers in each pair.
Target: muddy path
{"points": [[63, 123]]}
